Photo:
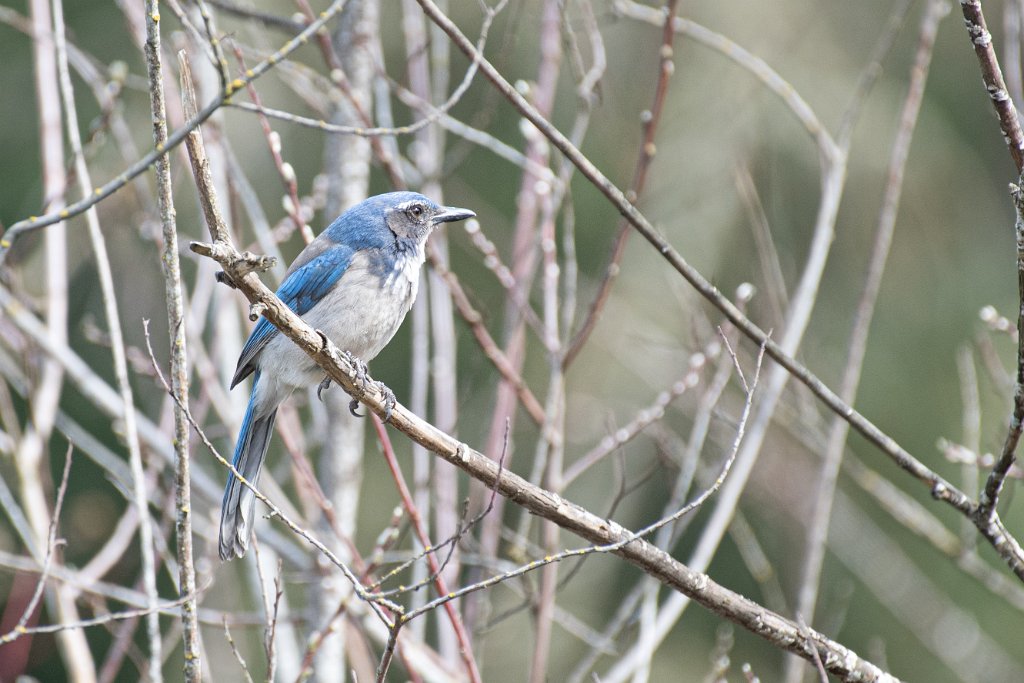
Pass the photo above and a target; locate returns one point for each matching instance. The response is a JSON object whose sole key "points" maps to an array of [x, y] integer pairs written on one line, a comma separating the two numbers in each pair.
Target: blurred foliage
{"points": [[953, 254]]}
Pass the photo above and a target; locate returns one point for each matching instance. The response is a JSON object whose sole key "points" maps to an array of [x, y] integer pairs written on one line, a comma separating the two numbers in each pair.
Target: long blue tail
{"points": [[239, 506]]}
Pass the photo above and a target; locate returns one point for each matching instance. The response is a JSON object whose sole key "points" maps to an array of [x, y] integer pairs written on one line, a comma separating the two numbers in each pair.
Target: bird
{"points": [[355, 282]]}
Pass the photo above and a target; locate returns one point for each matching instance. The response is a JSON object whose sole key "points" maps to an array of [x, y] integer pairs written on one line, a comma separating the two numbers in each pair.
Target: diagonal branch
{"points": [[985, 516], [941, 489], [546, 504], [821, 515], [784, 633], [98, 194], [650, 120], [986, 511], [981, 39]]}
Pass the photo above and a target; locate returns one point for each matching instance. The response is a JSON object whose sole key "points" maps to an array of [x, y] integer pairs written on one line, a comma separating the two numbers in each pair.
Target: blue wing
{"points": [[300, 291]]}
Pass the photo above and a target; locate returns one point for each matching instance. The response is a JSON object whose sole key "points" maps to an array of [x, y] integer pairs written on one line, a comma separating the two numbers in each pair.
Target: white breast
{"points": [[360, 315]]}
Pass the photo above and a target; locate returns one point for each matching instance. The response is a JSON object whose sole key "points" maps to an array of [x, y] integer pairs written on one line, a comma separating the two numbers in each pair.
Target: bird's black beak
{"points": [[451, 213]]}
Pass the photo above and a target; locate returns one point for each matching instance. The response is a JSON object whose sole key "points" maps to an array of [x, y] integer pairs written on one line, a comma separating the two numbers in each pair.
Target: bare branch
{"points": [[173, 140], [822, 512], [20, 628], [981, 41], [941, 489], [986, 512], [649, 120], [837, 658]]}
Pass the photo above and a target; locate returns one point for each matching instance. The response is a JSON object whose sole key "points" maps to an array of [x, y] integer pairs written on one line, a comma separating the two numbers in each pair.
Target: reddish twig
{"points": [[465, 648], [941, 489], [650, 120], [284, 169], [474, 319]]}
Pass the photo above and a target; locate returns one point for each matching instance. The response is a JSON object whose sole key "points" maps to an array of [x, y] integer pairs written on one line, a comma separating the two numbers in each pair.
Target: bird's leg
{"points": [[359, 376], [361, 369], [322, 387], [352, 406], [362, 376], [389, 399]]}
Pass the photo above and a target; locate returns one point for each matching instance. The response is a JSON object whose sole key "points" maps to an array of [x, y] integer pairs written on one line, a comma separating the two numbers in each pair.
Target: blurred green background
{"points": [[953, 254]]}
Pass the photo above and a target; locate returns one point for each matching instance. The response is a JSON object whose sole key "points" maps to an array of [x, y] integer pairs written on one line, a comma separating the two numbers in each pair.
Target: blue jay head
{"points": [[412, 216], [381, 222]]}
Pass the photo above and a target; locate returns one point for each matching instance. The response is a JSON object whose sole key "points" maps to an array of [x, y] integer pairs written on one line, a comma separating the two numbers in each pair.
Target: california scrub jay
{"points": [[355, 282]]}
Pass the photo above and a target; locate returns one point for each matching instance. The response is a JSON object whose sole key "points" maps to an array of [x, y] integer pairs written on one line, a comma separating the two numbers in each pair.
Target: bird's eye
{"points": [[416, 210]]}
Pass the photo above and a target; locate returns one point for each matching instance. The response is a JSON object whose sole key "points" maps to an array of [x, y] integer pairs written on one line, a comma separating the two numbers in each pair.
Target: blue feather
{"points": [[309, 284], [355, 283], [300, 291]]}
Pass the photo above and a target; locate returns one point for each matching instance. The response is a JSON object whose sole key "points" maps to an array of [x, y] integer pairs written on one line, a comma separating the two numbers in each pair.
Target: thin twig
{"points": [[816, 660], [234, 650], [1006, 545], [649, 120], [837, 658], [173, 140], [989, 497], [981, 40], [212, 37], [821, 514], [164, 607], [465, 650], [20, 628]]}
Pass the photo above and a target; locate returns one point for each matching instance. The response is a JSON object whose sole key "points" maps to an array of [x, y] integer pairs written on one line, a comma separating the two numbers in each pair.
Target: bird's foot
{"points": [[353, 406], [322, 387], [362, 377], [361, 369], [388, 397]]}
